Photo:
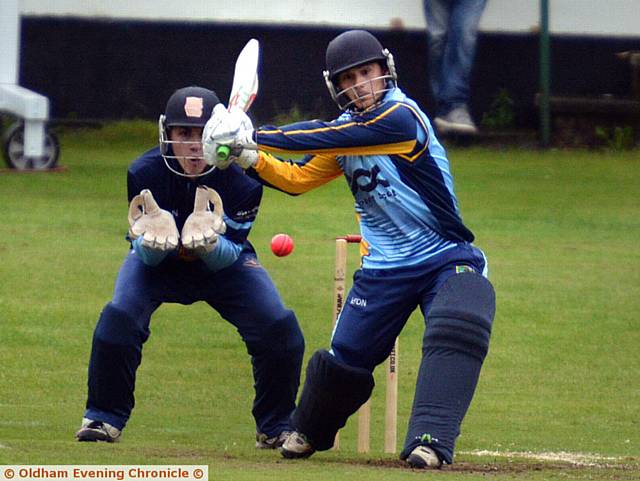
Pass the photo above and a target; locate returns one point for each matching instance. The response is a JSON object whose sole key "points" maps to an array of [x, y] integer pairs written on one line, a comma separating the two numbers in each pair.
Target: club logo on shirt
{"points": [[246, 214], [367, 180], [461, 269]]}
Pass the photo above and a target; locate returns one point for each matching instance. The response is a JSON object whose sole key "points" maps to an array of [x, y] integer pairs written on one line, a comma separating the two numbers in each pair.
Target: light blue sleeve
{"points": [[224, 254], [151, 257]]}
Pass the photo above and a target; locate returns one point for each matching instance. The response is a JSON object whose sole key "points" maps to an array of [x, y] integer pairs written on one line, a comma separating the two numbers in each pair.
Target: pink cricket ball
{"points": [[281, 245]]}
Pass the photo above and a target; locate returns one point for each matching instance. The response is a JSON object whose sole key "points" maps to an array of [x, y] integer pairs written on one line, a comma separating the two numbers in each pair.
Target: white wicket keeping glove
{"points": [[156, 226], [223, 128], [201, 229]]}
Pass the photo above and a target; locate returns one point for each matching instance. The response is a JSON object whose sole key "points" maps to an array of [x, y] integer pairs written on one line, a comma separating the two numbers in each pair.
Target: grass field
{"points": [[559, 395]]}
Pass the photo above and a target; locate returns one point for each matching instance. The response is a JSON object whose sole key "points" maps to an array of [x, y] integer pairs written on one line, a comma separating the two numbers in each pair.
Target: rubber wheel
{"points": [[13, 150]]}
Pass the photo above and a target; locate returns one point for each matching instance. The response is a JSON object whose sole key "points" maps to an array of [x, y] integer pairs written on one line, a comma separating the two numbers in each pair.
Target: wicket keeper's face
{"points": [[363, 84], [187, 147]]}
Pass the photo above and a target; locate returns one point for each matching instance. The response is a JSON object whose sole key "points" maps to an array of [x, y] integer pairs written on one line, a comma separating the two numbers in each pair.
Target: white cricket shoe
{"points": [[424, 457], [296, 446], [91, 430]]}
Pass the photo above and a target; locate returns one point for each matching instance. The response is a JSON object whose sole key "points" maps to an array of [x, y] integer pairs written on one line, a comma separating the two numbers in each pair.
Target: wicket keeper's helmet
{"points": [[350, 49], [187, 107]]}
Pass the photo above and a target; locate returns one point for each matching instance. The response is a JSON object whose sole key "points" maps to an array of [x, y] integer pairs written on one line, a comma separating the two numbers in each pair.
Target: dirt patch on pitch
{"points": [[574, 465], [467, 467]]}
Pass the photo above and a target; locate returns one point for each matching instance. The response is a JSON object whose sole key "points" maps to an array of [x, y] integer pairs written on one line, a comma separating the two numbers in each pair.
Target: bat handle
{"points": [[223, 152]]}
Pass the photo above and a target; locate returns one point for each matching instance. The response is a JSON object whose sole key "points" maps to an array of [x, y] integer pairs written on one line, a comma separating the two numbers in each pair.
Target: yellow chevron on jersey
{"points": [[333, 127], [390, 130], [381, 149], [364, 248], [297, 178]]}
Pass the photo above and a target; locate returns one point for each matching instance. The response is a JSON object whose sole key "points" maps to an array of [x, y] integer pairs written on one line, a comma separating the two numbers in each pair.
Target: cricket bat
{"points": [[245, 84]]}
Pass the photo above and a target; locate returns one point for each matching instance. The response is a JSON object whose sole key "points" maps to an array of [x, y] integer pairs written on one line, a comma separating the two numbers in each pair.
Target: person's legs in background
{"points": [[437, 17], [452, 55]]}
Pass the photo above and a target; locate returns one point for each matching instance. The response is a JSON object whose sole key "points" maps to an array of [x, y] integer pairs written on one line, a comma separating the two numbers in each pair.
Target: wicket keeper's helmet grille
{"points": [[352, 48], [190, 107]]}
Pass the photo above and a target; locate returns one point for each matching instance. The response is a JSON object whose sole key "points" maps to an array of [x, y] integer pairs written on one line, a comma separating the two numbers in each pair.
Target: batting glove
{"points": [[224, 128]]}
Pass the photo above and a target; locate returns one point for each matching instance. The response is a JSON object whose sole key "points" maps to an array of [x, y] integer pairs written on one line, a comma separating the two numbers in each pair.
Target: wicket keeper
{"points": [[416, 251], [188, 231]]}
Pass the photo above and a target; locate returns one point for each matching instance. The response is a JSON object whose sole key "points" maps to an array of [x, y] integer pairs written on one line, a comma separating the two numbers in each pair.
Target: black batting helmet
{"points": [[350, 49]]}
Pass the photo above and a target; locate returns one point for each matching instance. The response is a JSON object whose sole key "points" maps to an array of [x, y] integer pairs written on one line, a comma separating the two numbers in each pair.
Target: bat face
{"points": [[245, 77]]}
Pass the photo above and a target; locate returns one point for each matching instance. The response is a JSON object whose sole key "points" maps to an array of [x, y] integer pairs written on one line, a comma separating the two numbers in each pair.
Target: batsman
{"points": [[188, 228], [416, 250]]}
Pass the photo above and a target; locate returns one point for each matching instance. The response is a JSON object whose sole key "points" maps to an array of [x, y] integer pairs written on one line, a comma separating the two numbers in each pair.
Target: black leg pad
{"points": [[332, 392], [461, 315]]}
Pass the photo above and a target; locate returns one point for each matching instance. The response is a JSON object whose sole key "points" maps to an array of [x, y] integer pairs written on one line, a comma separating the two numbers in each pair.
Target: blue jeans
{"points": [[452, 31]]}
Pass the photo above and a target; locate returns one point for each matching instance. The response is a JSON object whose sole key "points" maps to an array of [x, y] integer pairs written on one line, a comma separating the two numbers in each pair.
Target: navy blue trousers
{"points": [[243, 294], [375, 312]]}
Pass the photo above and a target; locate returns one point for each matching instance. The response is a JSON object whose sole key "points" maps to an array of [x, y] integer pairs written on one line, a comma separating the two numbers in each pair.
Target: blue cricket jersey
{"points": [[395, 167]]}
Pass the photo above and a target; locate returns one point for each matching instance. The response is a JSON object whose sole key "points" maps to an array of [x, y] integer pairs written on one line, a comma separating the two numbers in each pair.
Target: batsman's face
{"points": [[364, 84], [187, 147]]}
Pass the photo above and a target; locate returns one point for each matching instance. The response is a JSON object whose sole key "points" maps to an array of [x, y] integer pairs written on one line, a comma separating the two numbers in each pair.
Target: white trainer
{"points": [[91, 430], [457, 121], [296, 446], [423, 457]]}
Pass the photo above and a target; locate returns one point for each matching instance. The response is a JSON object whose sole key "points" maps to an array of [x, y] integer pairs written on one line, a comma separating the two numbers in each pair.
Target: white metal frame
{"points": [[31, 106]]}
